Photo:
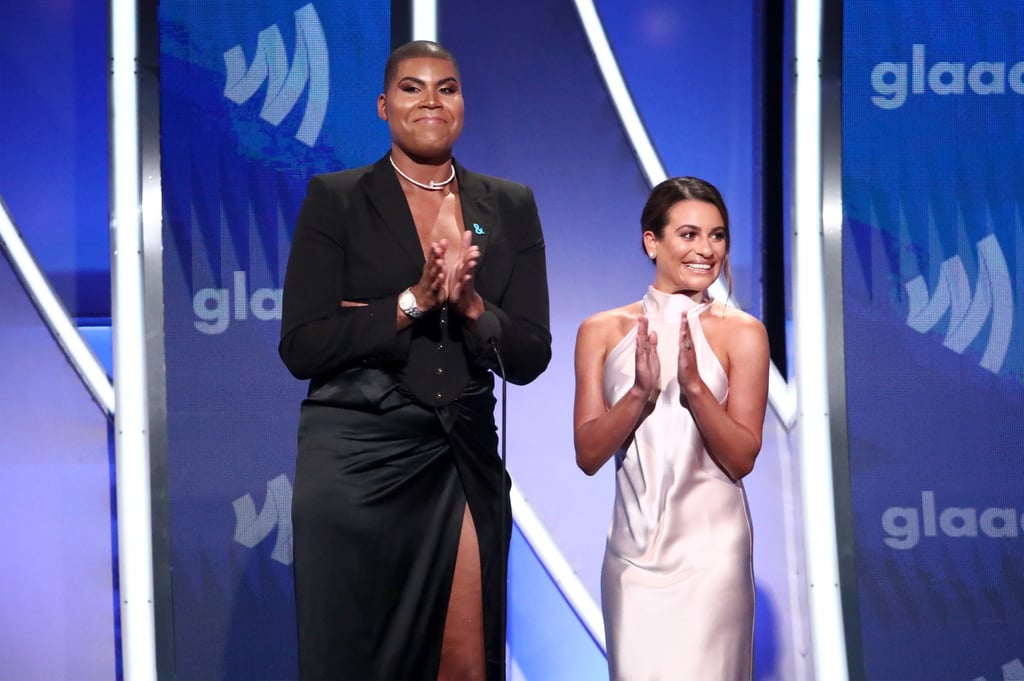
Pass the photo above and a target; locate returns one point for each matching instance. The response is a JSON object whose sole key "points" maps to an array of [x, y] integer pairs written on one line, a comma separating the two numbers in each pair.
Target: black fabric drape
{"points": [[377, 511]]}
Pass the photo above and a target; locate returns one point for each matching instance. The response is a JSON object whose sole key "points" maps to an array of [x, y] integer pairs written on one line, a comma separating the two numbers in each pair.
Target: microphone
{"points": [[489, 328]]}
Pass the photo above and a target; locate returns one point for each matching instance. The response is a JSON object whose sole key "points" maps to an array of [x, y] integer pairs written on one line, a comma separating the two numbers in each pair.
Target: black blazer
{"points": [[355, 240]]}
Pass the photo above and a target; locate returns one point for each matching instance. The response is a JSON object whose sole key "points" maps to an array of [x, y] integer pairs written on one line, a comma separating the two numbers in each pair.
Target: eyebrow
{"points": [[699, 228], [420, 81]]}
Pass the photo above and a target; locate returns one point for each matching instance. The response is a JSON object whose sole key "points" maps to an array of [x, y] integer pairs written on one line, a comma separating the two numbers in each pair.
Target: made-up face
{"points": [[692, 248], [424, 109]]}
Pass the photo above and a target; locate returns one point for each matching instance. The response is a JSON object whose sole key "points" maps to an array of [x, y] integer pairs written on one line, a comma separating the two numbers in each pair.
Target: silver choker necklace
{"points": [[433, 186]]}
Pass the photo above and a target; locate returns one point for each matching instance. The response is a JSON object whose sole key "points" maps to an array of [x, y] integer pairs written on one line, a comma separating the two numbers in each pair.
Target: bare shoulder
{"points": [[733, 332], [735, 320], [605, 329], [613, 319]]}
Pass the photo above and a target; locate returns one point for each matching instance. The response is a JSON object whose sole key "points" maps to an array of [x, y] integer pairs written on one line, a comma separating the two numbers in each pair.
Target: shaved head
{"points": [[413, 50]]}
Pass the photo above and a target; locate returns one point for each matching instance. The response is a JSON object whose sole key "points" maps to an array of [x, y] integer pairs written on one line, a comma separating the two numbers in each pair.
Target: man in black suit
{"points": [[400, 507]]}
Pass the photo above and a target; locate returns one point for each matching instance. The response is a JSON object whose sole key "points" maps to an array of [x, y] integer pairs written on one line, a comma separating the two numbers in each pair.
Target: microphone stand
{"points": [[506, 547], [490, 328]]}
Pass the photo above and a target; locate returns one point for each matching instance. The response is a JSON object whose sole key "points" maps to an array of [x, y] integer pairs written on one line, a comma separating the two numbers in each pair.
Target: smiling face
{"points": [[424, 109], [691, 250]]}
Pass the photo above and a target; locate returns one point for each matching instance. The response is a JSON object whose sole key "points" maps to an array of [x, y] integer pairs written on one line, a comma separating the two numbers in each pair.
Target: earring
{"points": [[651, 256]]}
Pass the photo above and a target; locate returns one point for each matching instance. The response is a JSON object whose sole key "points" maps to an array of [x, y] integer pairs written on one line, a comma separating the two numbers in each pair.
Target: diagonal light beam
{"points": [[55, 315]]}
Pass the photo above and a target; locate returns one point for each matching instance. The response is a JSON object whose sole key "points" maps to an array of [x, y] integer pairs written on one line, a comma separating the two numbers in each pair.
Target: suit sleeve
{"points": [[523, 308], [318, 335]]}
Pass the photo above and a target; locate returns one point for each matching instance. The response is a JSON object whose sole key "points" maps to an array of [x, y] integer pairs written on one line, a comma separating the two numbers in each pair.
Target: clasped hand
{"points": [[648, 364], [686, 371], [454, 285]]}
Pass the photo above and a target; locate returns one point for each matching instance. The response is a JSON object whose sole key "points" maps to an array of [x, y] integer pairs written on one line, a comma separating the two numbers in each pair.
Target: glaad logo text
{"points": [[216, 308], [310, 70], [892, 83], [905, 526]]}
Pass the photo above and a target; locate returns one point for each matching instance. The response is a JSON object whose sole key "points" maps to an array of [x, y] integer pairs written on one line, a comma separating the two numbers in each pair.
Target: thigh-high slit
{"points": [[462, 649]]}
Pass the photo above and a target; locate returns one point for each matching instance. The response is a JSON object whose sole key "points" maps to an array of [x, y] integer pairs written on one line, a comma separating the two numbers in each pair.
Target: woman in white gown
{"points": [[674, 387]]}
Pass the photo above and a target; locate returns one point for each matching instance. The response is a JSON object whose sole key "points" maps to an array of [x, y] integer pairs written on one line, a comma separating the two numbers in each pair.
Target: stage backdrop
{"points": [[933, 262], [59, 612], [59, 617], [53, 136], [255, 98]]}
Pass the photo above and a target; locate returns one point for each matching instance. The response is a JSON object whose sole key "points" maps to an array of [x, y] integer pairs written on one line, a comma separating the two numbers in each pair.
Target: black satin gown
{"points": [[377, 513], [397, 433]]}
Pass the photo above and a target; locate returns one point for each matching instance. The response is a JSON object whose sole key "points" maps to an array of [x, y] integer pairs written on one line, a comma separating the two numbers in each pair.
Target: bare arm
{"points": [[732, 434], [599, 431]]}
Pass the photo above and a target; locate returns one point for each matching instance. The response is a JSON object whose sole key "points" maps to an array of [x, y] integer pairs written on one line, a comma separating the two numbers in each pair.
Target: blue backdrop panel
{"points": [[255, 97], [703, 112], [238, 148], [546, 638], [57, 577], [933, 109], [53, 133]]}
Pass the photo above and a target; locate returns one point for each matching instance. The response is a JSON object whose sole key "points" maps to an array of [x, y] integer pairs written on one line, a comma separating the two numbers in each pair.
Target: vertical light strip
{"points": [[810, 359], [424, 20], [134, 526], [54, 314], [792, 526]]}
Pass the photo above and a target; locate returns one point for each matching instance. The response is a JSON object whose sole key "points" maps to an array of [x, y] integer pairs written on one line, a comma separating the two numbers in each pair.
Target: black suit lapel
{"points": [[384, 192], [479, 212]]}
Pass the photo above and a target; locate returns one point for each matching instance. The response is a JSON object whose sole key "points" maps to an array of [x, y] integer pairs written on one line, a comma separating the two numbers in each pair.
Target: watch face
{"points": [[407, 303]]}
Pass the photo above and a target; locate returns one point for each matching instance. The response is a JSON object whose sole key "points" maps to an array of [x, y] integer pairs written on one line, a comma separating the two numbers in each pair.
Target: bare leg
{"points": [[462, 650]]}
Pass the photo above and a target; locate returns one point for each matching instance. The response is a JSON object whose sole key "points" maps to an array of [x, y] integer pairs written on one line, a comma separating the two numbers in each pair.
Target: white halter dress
{"points": [[677, 583]]}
